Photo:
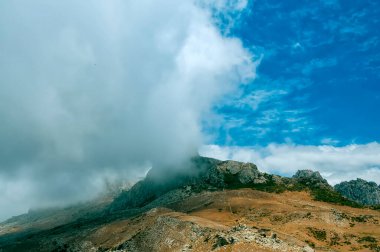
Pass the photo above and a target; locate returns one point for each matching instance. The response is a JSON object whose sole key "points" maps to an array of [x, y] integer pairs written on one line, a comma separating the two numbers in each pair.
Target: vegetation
{"points": [[370, 242], [318, 233], [361, 218], [376, 207], [319, 192], [334, 240], [310, 243], [270, 185], [369, 239], [331, 196]]}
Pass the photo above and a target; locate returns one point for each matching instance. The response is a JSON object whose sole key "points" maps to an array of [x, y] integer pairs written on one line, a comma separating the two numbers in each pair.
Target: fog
{"points": [[95, 91]]}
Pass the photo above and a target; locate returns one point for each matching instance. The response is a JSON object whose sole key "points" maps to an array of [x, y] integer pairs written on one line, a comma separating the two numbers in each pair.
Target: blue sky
{"points": [[318, 81]]}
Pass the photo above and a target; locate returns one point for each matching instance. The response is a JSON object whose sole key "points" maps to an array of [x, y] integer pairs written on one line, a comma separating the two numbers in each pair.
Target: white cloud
{"points": [[101, 87], [259, 97], [227, 11], [336, 164], [329, 141]]}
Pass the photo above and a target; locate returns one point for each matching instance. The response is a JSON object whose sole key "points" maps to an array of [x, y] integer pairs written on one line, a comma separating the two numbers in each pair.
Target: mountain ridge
{"points": [[217, 204]]}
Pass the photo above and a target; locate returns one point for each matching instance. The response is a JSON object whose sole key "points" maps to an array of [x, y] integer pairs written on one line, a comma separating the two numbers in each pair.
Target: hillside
{"points": [[211, 205]]}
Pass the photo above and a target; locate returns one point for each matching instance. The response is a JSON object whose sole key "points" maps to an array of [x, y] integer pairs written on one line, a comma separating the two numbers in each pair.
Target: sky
{"points": [[100, 91], [314, 103], [318, 79]]}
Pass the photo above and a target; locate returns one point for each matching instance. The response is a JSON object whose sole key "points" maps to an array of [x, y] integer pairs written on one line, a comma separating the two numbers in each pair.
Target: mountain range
{"points": [[209, 205]]}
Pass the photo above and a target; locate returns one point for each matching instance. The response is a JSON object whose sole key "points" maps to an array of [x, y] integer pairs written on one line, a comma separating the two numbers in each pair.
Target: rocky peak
{"points": [[308, 174], [310, 178], [361, 191], [227, 173], [200, 173]]}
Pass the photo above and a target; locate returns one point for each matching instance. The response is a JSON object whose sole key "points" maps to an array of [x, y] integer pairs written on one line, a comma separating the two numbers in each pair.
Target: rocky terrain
{"points": [[361, 191], [209, 205]]}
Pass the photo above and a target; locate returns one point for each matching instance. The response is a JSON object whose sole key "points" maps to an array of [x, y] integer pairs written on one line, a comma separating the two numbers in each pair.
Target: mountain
{"points": [[205, 205], [361, 191], [198, 174]]}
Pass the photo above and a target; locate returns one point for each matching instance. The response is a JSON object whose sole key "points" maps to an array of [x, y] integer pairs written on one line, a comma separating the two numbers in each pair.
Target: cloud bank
{"points": [[98, 89], [336, 164]]}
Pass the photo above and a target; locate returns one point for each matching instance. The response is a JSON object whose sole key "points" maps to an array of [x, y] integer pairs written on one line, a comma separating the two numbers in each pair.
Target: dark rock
{"points": [[311, 179], [360, 191], [220, 242]]}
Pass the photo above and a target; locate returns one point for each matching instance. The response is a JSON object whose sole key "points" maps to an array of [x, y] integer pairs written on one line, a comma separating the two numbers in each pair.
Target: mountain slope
{"points": [[209, 205]]}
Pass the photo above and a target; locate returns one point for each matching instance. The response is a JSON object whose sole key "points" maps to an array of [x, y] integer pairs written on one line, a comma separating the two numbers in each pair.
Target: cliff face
{"points": [[361, 191]]}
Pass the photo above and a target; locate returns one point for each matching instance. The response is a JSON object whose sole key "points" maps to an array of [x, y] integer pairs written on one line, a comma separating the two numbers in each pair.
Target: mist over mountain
{"points": [[101, 91], [192, 125], [206, 204]]}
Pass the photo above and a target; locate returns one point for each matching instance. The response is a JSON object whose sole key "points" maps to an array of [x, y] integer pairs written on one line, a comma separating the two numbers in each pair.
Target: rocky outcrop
{"points": [[311, 179], [239, 173], [200, 173], [361, 191]]}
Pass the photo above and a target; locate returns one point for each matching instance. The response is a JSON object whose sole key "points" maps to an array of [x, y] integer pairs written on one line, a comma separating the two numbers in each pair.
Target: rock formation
{"points": [[361, 191], [200, 173]]}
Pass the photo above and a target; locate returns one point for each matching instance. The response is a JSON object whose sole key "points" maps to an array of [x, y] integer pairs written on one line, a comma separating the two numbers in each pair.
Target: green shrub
{"points": [[318, 233], [331, 196]]}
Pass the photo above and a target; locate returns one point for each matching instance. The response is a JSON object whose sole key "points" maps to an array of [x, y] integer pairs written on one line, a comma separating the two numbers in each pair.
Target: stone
{"points": [[360, 191]]}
